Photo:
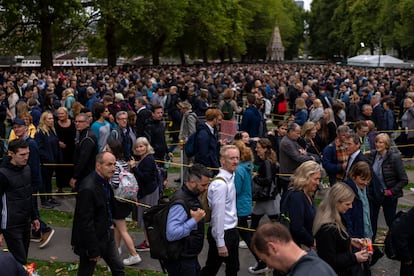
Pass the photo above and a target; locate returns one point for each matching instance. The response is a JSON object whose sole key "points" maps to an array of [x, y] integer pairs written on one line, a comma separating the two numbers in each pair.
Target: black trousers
{"points": [[183, 266], [18, 240], [214, 261], [109, 254]]}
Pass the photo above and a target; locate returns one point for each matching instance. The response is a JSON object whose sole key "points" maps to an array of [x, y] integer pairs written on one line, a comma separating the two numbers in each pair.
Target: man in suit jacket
{"points": [[353, 144], [377, 112]]}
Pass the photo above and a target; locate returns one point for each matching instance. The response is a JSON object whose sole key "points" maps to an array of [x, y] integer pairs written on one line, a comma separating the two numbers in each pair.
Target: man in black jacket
{"points": [[86, 149], [18, 214], [92, 232], [185, 224]]}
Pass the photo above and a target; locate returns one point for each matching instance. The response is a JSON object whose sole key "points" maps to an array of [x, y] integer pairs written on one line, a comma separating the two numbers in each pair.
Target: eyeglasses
{"points": [[78, 122]]}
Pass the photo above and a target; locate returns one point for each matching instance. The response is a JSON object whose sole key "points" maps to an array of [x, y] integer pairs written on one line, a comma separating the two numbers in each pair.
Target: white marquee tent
{"points": [[374, 60]]}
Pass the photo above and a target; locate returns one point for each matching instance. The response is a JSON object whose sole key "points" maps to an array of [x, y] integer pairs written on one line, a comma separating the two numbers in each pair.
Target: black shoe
{"points": [[178, 180], [54, 202], [259, 268], [378, 254]]}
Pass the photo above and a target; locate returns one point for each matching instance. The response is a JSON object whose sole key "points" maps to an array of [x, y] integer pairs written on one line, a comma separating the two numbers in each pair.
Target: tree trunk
{"points": [[204, 52], [111, 51], [156, 50], [46, 55], [182, 56]]}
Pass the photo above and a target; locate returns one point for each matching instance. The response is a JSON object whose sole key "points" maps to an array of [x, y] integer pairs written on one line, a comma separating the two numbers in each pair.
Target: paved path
{"points": [[59, 248]]}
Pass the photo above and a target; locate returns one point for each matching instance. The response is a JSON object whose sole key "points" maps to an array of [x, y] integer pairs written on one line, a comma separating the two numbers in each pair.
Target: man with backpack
{"points": [[185, 224]]}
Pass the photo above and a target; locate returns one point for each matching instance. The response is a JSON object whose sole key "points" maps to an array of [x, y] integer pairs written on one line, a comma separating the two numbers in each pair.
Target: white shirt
{"points": [[222, 201]]}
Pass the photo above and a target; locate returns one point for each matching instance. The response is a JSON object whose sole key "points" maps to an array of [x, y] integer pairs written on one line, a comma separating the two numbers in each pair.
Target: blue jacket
{"points": [[301, 116], [354, 217], [243, 184], [251, 121], [330, 162], [49, 148], [207, 147], [301, 213]]}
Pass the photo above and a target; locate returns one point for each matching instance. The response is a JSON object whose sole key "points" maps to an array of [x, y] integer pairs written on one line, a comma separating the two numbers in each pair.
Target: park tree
{"points": [[322, 43], [404, 29], [160, 24], [32, 27], [113, 23]]}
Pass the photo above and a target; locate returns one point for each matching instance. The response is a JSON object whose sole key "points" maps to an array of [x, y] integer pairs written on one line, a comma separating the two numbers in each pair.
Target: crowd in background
{"points": [[297, 121]]}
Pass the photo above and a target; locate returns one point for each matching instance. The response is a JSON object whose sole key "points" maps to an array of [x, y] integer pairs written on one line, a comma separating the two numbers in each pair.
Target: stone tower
{"points": [[275, 49]]}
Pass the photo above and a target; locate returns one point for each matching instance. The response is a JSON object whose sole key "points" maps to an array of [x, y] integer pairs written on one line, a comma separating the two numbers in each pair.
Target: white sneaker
{"points": [[412, 190], [243, 245], [131, 260]]}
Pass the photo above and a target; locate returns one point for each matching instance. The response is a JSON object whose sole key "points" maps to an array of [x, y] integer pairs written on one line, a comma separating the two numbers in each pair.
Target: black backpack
{"points": [[155, 221], [393, 232]]}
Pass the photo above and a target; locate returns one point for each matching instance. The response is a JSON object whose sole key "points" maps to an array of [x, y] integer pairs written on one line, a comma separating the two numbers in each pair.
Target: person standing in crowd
{"points": [[333, 242], [335, 156], [143, 115], [121, 209], [229, 105], [265, 175], [31, 129], [361, 130], [187, 226], [124, 134], [222, 235], [66, 132], [146, 173], [291, 155], [403, 241], [389, 179], [86, 148], [188, 126], [92, 230], [377, 112], [308, 141], [297, 203], [252, 118], [301, 112], [353, 145], [407, 123], [18, 213], [101, 127], [50, 155], [155, 134], [207, 143], [273, 244], [45, 233]]}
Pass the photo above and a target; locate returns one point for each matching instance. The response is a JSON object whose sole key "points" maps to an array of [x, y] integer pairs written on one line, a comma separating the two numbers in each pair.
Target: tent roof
{"points": [[372, 60]]}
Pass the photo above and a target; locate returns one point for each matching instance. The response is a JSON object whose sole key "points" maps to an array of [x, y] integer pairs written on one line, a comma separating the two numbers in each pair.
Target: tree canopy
{"points": [[206, 29]]}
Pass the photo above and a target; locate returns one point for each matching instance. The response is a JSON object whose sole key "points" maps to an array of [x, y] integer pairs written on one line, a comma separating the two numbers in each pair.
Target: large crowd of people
{"points": [[279, 125]]}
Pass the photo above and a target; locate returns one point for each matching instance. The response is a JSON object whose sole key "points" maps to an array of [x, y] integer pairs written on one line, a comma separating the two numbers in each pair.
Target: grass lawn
{"points": [[46, 268]]}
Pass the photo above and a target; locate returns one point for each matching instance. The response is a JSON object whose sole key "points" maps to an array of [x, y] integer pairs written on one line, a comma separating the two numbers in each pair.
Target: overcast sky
{"points": [[307, 4]]}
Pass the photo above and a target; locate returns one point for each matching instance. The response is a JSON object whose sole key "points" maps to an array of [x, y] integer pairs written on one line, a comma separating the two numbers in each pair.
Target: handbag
{"points": [[264, 188], [282, 107]]}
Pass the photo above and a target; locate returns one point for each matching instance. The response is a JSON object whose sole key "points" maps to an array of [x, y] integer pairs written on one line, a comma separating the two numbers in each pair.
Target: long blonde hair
{"points": [[42, 124], [327, 211]]}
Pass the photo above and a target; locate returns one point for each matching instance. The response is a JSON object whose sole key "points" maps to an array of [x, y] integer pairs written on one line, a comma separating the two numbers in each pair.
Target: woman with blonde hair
{"points": [[50, 154], [306, 141], [68, 99], [66, 132], [316, 111], [297, 203], [301, 114], [146, 173], [333, 242]]}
